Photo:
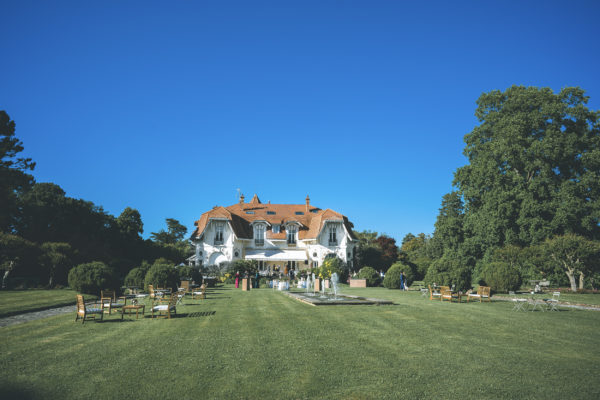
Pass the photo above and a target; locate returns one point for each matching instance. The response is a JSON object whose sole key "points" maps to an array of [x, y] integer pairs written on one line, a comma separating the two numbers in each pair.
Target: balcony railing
{"points": [[333, 242], [217, 241], [259, 242]]}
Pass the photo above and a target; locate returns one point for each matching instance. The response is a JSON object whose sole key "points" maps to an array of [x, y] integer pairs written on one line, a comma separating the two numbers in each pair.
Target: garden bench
{"points": [[483, 292], [418, 285]]}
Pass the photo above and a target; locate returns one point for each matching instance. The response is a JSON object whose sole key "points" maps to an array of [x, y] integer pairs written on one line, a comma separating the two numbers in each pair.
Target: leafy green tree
{"points": [[16, 254], [534, 168], [574, 255], [13, 177], [175, 232], [130, 223], [57, 259]]}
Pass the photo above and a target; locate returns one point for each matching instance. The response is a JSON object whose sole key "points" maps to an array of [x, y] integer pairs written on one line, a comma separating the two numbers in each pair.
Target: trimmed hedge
{"points": [[392, 277], [501, 277], [91, 278], [135, 277], [162, 275], [370, 275]]}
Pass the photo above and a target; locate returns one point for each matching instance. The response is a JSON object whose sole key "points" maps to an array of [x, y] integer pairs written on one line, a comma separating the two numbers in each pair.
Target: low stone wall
{"points": [[358, 283]]}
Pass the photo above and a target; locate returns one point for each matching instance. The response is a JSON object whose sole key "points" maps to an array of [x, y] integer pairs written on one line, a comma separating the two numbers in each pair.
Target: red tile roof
{"points": [[242, 215]]}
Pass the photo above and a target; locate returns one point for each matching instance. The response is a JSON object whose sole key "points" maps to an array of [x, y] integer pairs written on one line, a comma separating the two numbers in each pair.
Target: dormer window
{"points": [[291, 234], [259, 235], [270, 212], [219, 227], [276, 228], [299, 212], [332, 236]]}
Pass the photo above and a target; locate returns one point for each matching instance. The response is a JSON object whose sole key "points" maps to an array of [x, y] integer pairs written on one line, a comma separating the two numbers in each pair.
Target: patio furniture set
{"points": [[164, 302], [447, 293], [533, 303]]}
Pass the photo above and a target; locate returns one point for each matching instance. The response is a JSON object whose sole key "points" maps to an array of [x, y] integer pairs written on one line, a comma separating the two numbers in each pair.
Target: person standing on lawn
{"points": [[237, 279], [402, 280]]}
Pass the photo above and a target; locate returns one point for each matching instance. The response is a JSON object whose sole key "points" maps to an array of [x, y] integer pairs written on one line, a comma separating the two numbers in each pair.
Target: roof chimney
{"points": [[242, 199], [307, 203]]}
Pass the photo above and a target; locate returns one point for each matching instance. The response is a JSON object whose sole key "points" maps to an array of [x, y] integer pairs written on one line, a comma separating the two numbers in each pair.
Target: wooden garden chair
{"points": [[433, 293], [109, 301], [200, 292], [447, 294], [483, 292], [166, 308], [87, 312]]}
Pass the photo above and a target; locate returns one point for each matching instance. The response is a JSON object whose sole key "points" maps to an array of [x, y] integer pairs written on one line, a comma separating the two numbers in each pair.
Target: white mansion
{"points": [[279, 236]]}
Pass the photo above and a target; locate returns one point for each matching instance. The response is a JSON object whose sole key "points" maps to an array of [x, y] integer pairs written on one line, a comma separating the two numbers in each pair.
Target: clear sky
{"points": [[170, 106]]}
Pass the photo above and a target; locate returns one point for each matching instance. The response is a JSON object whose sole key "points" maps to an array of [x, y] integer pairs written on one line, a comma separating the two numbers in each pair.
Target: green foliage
{"points": [[243, 266], [189, 273], [392, 276], [162, 275], [130, 223], [13, 178], [378, 251], [136, 277], [92, 278], [534, 167], [501, 276], [175, 233], [56, 258], [452, 269], [333, 265], [372, 276], [18, 257], [574, 255]]}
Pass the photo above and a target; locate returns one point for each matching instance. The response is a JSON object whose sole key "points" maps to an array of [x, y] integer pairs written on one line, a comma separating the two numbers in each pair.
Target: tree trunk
{"points": [[571, 276], [581, 277], [4, 278]]}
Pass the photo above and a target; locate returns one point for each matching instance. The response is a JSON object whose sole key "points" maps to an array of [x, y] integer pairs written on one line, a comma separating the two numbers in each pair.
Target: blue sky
{"points": [[170, 107]]}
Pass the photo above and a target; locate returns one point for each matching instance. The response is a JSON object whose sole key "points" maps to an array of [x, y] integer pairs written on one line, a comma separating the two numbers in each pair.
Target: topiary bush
{"points": [[162, 275], [189, 273], [451, 269], [501, 276], [135, 277], [392, 277], [330, 266], [91, 278], [370, 275]]}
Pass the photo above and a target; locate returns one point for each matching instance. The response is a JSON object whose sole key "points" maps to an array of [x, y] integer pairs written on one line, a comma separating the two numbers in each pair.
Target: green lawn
{"points": [[20, 301], [262, 344]]}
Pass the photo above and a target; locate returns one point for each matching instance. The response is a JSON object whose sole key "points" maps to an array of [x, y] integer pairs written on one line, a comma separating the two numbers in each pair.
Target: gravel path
{"points": [[30, 316]]}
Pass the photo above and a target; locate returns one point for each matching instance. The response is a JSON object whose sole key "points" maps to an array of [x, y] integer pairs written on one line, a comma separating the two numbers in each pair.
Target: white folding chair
{"points": [[553, 302], [519, 302]]}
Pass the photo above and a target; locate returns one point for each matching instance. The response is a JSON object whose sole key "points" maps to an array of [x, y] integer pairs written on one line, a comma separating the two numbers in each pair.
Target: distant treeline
{"points": [[526, 206], [44, 233]]}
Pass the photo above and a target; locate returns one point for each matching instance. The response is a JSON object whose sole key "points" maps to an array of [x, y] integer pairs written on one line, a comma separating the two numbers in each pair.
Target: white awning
{"points": [[276, 255]]}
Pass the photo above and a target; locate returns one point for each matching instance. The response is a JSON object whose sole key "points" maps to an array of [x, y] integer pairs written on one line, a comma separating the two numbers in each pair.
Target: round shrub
{"points": [[392, 277], [162, 275], [187, 273], [451, 269], [370, 275], [91, 278], [135, 277], [501, 276]]}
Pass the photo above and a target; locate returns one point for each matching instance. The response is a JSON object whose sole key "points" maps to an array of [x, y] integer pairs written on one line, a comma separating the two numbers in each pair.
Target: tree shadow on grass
{"points": [[12, 391]]}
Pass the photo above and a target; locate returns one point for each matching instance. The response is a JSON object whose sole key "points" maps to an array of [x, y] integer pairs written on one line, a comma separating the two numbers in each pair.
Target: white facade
{"points": [[277, 246]]}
